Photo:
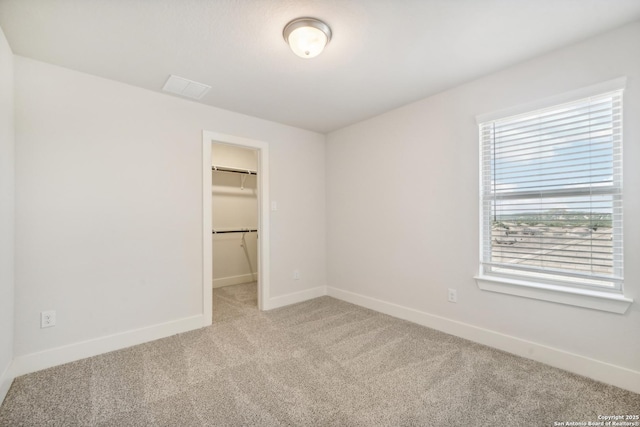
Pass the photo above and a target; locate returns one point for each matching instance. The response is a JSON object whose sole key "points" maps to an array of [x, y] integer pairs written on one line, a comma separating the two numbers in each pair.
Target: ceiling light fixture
{"points": [[307, 37]]}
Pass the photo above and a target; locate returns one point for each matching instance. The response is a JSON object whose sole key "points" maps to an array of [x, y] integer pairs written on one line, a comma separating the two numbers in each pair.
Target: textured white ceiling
{"points": [[384, 53]]}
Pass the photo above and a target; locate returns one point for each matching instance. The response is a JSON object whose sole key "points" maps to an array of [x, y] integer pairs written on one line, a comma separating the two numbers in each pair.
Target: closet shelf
{"points": [[233, 170], [239, 230]]}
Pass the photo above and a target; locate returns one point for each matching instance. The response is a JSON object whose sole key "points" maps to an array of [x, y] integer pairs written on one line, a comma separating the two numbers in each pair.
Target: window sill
{"points": [[604, 301]]}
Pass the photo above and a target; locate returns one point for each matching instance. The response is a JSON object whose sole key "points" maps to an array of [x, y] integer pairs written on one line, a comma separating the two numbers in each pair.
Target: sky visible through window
{"points": [[551, 189], [555, 152]]}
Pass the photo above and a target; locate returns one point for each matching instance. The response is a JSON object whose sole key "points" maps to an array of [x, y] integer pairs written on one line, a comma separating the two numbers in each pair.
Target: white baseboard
{"points": [[57, 356], [234, 280], [295, 297], [591, 368], [5, 382]]}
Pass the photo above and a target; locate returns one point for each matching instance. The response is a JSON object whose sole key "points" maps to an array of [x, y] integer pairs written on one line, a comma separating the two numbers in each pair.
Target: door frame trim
{"points": [[262, 148]]}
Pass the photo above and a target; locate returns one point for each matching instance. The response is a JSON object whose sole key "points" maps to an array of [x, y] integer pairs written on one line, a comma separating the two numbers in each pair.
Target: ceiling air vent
{"points": [[185, 87]]}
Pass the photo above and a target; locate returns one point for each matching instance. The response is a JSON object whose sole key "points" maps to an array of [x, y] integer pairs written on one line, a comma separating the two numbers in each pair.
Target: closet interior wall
{"points": [[234, 208]]}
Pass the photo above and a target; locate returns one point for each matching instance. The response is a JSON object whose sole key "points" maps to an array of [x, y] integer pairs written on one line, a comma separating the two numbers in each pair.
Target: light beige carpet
{"points": [[319, 363], [232, 302]]}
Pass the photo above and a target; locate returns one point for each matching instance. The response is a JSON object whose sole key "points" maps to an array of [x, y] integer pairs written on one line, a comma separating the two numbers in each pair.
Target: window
{"points": [[551, 195]]}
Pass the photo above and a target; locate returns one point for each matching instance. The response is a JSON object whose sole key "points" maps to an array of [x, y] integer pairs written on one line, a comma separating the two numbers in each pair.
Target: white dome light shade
{"points": [[307, 37], [307, 42]]}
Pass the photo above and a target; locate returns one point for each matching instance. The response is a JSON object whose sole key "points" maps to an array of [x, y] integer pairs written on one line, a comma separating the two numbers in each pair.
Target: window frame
{"points": [[600, 298]]}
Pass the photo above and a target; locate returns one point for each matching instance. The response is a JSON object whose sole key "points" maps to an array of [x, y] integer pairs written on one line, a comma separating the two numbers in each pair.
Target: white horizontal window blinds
{"points": [[552, 194]]}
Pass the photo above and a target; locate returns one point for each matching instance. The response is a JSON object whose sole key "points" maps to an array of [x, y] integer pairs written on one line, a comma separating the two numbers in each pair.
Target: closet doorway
{"points": [[235, 231]]}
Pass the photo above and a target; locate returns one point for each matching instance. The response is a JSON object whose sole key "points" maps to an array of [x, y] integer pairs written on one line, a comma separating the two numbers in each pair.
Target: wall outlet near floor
{"points": [[47, 319], [453, 295], [296, 274]]}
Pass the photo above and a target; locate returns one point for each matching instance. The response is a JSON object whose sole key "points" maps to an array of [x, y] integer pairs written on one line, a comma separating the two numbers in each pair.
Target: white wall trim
{"points": [[604, 301], [295, 297], [5, 382], [207, 222], [68, 353], [234, 280], [595, 369]]}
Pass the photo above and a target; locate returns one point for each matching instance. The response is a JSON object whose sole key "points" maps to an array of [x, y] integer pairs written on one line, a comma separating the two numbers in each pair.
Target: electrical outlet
{"points": [[453, 295], [296, 274], [47, 319]]}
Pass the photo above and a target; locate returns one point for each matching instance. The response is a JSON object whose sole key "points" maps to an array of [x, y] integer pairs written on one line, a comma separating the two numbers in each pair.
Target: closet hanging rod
{"points": [[242, 230], [233, 170]]}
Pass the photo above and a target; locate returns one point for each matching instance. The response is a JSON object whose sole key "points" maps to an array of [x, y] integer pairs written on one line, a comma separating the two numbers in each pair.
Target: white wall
{"points": [[109, 205], [234, 206], [402, 201], [6, 212]]}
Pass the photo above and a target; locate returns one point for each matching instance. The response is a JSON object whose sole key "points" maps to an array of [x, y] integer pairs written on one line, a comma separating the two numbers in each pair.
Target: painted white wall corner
{"points": [[5, 383], [7, 213], [295, 297]]}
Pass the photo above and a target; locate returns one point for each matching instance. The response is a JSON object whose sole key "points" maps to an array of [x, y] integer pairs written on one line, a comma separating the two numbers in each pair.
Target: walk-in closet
{"points": [[234, 178]]}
